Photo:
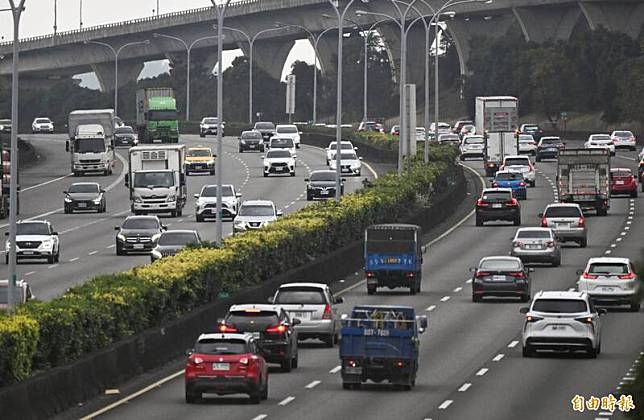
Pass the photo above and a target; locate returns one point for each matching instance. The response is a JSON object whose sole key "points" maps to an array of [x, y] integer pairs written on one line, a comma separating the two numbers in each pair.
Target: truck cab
{"points": [[380, 343], [393, 257], [156, 116], [90, 144]]}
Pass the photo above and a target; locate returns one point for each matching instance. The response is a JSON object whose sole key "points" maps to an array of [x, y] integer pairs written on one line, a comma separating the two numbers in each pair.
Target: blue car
{"points": [[513, 180]]}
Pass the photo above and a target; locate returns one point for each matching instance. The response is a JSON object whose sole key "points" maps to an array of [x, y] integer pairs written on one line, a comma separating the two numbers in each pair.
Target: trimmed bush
{"points": [[108, 308]]}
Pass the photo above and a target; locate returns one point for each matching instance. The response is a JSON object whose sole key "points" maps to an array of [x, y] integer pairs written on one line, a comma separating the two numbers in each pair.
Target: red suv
{"points": [[226, 364], [622, 181]]}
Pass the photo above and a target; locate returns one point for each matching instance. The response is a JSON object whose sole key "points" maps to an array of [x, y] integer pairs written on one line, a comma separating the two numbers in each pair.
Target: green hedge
{"points": [[110, 307]]}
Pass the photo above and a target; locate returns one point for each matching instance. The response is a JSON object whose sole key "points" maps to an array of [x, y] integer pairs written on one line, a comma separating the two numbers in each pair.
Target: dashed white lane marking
{"points": [[458, 289], [445, 404], [608, 252], [623, 234], [313, 384], [260, 417], [431, 308], [445, 298], [482, 372], [93, 253], [465, 387], [468, 281], [53, 266], [613, 245], [498, 357], [628, 222], [74, 259], [513, 344], [286, 401], [29, 273], [335, 369], [627, 228], [572, 289], [619, 239]]}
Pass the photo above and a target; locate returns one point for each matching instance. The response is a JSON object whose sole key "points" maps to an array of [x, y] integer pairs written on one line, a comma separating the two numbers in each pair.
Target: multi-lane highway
{"points": [[88, 239], [470, 358]]}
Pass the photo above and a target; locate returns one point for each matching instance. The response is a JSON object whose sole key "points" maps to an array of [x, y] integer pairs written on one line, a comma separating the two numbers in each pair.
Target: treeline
{"points": [[594, 71]]}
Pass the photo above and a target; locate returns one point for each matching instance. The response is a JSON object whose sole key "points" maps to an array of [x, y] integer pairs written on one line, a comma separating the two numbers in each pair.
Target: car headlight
{"points": [[171, 197], [156, 254], [138, 199], [243, 141], [211, 162], [46, 243], [120, 237], [239, 223], [98, 201], [156, 237], [68, 200]]}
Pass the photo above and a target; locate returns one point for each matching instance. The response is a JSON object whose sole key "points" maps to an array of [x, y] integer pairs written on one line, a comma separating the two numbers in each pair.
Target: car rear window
{"points": [[533, 234], [560, 306], [623, 134], [219, 346], [497, 196], [252, 321], [508, 176], [550, 141], [301, 295], [474, 140], [500, 265], [562, 212], [517, 162], [621, 173], [608, 268]]}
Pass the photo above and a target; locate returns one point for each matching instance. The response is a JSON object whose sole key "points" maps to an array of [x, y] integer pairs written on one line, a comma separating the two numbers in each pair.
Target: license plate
{"points": [[81, 205], [138, 246], [608, 289], [353, 370], [221, 366], [563, 225], [27, 252], [498, 278], [393, 260], [252, 146], [533, 246], [558, 327], [497, 206], [300, 315], [619, 182], [324, 192]]}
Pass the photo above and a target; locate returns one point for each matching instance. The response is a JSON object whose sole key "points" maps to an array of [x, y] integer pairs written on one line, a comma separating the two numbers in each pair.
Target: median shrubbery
{"points": [[110, 307]]}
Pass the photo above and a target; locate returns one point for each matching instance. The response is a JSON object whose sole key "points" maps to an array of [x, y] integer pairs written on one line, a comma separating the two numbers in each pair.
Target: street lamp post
{"points": [[251, 44], [80, 14], [117, 53], [16, 12], [188, 52]]}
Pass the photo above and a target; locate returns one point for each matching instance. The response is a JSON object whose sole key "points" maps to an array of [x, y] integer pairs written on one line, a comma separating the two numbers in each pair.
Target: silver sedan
{"points": [[536, 245]]}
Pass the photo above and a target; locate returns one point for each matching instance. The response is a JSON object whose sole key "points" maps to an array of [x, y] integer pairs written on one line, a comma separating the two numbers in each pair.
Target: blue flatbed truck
{"points": [[380, 343], [393, 257]]}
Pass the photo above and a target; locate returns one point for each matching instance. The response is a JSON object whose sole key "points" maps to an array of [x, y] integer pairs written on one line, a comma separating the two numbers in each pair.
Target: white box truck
{"points": [[497, 119], [91, 141], [157, 179], [583, 177]]}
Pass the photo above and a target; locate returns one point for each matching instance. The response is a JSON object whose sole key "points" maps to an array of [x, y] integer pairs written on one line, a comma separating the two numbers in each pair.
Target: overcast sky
{"points": [[38, 19]]}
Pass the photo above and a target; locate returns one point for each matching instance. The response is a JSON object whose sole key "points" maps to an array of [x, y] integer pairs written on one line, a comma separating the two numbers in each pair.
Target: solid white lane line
{"points": [[336, 369], [498, 357], [465, 387], [29, 273], [458, 289], [286, 401], [482, 372], [51, 181], [513, 344], [93, 253], [260, 417], [313, 384], [445, 404], [74, 259], [431, 308], [445, 298]]}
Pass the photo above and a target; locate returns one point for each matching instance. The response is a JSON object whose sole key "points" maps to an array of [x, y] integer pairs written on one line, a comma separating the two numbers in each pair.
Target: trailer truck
{"points": [[156, 116], [156, 179], [583, 177], [497, 119], [91, 141]]}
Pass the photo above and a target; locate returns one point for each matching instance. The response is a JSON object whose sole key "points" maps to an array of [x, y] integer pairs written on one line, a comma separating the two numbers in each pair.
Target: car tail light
{"points": [[522, 184], [243, 361], [581, 222], [327, 312], [276, 329], [517, 274], [585, 320], [480, 274], [629, 276], [409, 275], [227, 329], [512, 203], [544, 222], [400, 364], [494, 184], [550, 244], [589, 276], [370, 274], [351, 363], [481, 203], [517, 244], [532, 318]]}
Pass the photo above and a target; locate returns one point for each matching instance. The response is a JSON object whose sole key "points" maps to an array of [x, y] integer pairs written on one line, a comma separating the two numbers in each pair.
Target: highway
{"points": [[88, 239], [470, 358]]}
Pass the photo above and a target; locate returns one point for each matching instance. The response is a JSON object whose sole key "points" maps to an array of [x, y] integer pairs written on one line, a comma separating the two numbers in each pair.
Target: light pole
{"points": [[116, 65], [188, 52], [55, 17], [80, 14], [251, 44], [220, 10], [16, 12]]}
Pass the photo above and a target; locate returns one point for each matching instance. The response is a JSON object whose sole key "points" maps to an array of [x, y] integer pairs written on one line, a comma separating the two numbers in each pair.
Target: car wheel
{"points": [[346, 385], [533, 183], [329, 340], [525, 298], [51, 259], [255, 397], [602, 212], [241, 150], [591, 353], [479, 221], [67, 210], [119, 250], [293, 173], [202, 135], [199, 219], [192, 397], [295, 361], [517, 221], [265, 390], [634, 193], [598, 350], [476, 298], [527, 351], [265, 175], [57, 256], [286, 365], [412, 289], [212, 172], [635, 306], [371, 290], [556, 262], [583, 243], [461, 157], [6, 258], [538, 158]]}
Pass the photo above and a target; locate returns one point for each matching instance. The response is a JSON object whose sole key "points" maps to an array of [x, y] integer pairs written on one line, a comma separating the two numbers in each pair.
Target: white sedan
{"points": [[279, 161], [527, 144], [349, 161], [600, 141]]}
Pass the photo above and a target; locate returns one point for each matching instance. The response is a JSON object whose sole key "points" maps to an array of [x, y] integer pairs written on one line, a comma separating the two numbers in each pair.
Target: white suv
{"points": [[42, 125], [520, 163], [206, 204], [279, 161], [611, 280], [562, 321], [35, 239], [254, 215]]}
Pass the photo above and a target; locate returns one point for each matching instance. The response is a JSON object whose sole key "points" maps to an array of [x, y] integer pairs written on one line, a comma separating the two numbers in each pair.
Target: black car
{"points": [[271, 325], [84, 196], [251, 140], [124, 136], [548, 148], [497, 204], [501, 276], [173, 241], [138, 234], [321, 184], [267, 129]]}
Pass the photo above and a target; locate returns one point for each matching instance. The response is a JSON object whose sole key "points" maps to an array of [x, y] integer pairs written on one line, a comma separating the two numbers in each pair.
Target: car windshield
{"points": [[509, 176], [525, 138], [301, 295], [153, 179], [278, 154], [178, 238], [84, 188], [124, 130], [496, 196], [43, 121], [211, 191], [559, 306], [251, 135], [345, 146], [608, 268], [444, 137], [348, 156], [141, 223], [210, 120], [256, 210], [221, 346], [473, 140], [517, 162], [32, 229], [287, 130], [625, 134], [562, 211], [323, 176], [264, 126], [252, 321], [166, 115], [500, 265], [550, 141], [282, 143], [533, 234], [96, 145], [199, 153]]}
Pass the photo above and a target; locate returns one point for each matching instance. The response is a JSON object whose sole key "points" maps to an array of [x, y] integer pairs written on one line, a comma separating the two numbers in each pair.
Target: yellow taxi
{"points": [[200, 159]]}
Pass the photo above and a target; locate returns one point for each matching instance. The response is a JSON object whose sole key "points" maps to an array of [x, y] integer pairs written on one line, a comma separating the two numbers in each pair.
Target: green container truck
{"points": [[156, 116]]}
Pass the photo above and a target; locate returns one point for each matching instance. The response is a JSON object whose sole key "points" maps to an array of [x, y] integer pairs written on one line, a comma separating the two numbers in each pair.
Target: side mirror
{"points": [[262, 157], [530, 270], [355, 148], [524, 310], [540, 215], [102, 191], [343, 179], [126, 180], [339, 300], [6, 234], [296, 321], [294, 156], [422, 323], [238, 195], [472, 269], [579, 272], [270, 300], [359, 157], [220, 321], [164, 228], [307, 179], [189, 352], [67, 146], [280, 213], [196, 195], [602, 311], [117, 228], [65, 192], [55, 233]]}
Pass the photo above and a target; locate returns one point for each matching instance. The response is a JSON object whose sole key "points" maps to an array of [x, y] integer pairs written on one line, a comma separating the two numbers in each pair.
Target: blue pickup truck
{"points": [[380, 343], [393, 257]]}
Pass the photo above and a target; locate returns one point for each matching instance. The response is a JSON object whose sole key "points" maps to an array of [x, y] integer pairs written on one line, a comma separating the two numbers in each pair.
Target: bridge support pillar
{"points": [[619, 16], [270, 55], [128, 72], [551, 23], [328, 52]]}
